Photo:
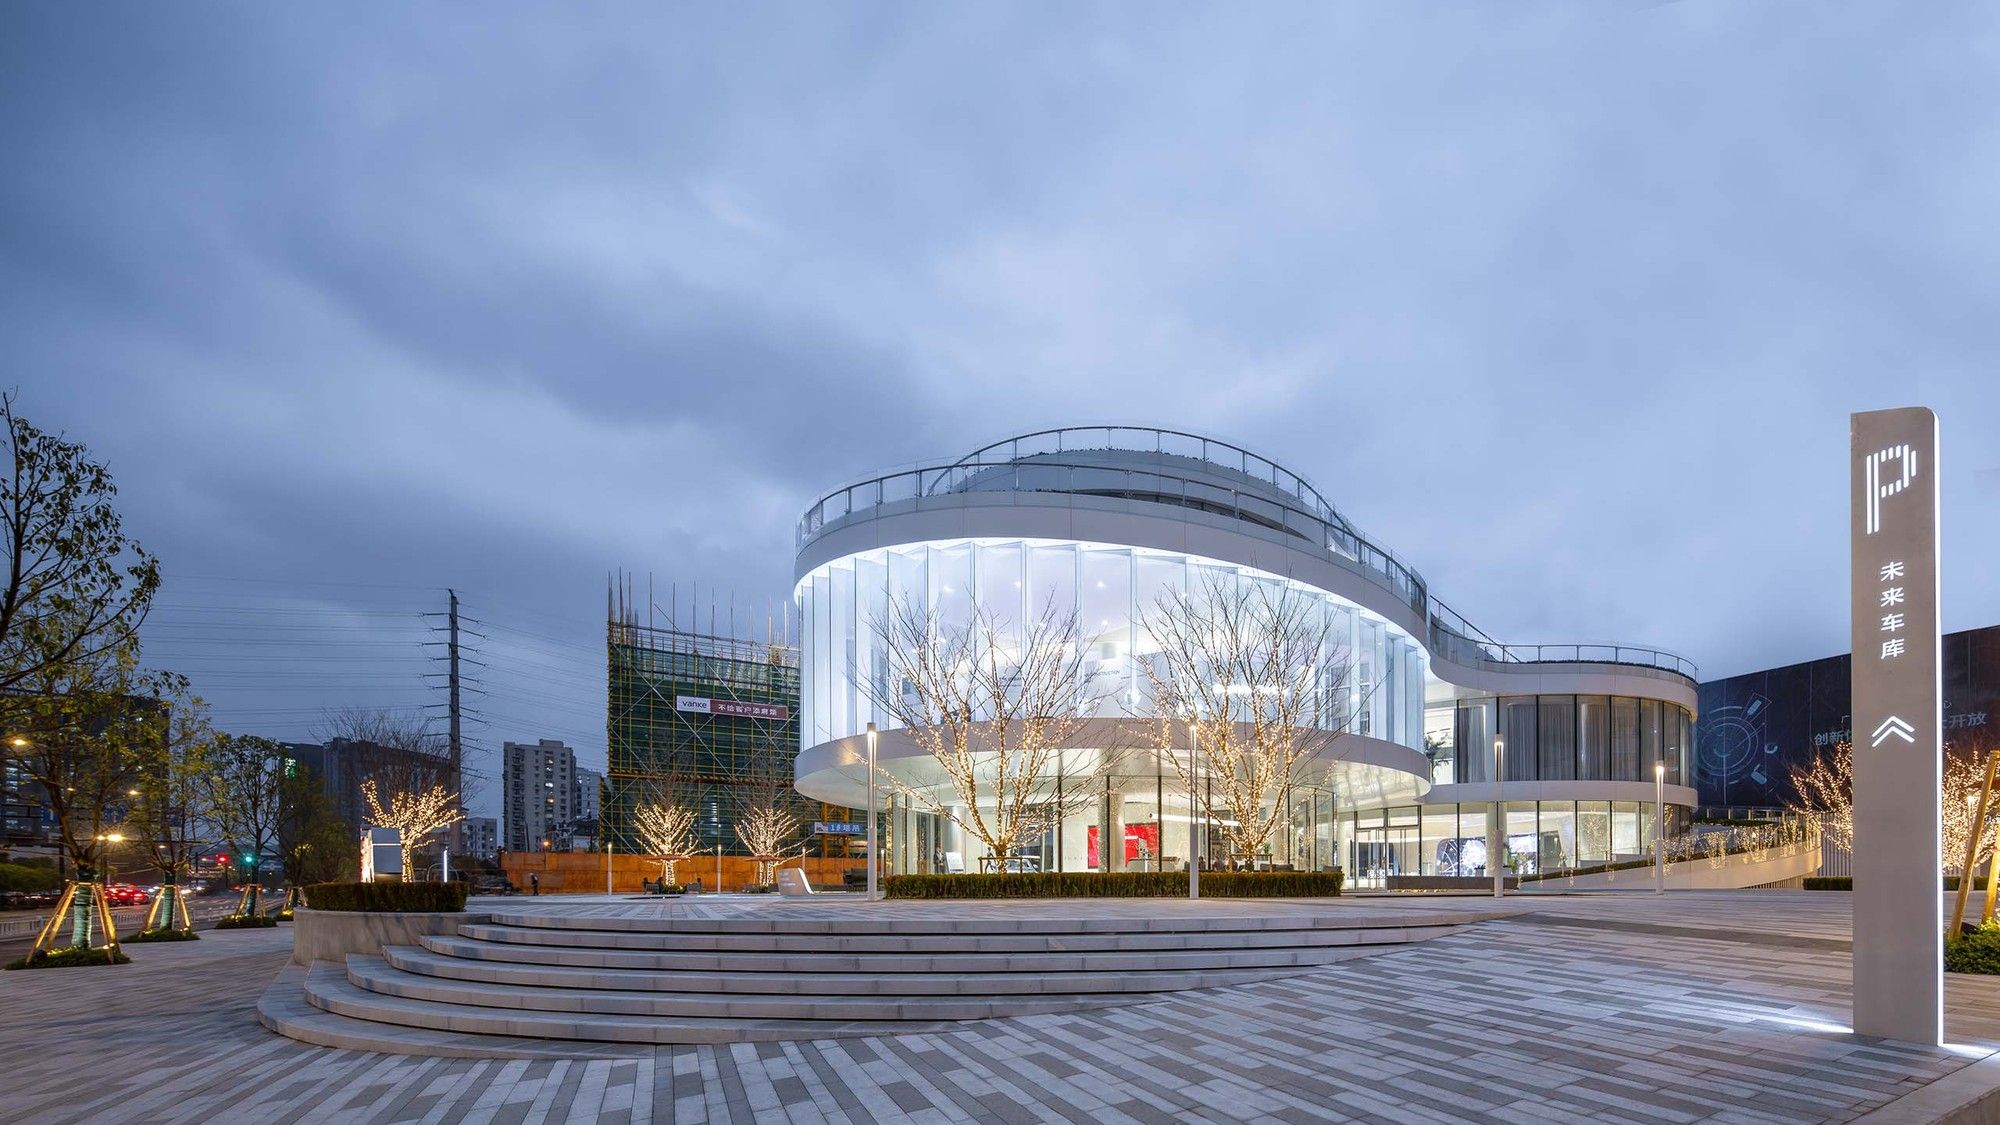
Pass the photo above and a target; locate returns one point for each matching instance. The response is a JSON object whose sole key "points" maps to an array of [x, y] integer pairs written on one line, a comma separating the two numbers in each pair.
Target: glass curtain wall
{"points": [[1111, 589], [1571, 737], [1542, 837]]}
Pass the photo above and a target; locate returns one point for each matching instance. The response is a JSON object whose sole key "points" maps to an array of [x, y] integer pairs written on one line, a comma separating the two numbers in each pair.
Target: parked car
{"points": [[493, 885], [28, 900]]}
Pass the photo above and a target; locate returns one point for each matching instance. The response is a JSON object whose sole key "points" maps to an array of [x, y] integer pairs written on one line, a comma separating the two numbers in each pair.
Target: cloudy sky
{"points": [[1568, 304]]}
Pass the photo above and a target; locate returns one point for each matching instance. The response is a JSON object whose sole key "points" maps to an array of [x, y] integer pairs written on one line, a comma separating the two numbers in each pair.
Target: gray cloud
{"points": [[1565, 304]]}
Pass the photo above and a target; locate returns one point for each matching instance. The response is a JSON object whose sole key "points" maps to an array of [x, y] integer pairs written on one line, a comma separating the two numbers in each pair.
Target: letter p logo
{"points": [[1878, 483]]}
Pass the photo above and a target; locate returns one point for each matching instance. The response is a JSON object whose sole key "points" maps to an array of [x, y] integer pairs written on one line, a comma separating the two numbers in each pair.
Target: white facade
{"points": [[1100, 522], [538, 795]]}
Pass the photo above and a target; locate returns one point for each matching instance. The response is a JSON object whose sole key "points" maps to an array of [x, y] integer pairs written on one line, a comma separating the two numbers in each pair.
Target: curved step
{"points": [[285, 1010], [890, 964], [328, 989], [971, 941], [958, 925], [378, 976], [457, 959]]}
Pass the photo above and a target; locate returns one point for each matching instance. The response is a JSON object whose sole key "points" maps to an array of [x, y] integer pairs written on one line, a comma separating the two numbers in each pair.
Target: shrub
{"points": [[70, 958], [1117, 884], [1829, 882], [164, 935], [394, 898], [1976, 952], [245, 922]]}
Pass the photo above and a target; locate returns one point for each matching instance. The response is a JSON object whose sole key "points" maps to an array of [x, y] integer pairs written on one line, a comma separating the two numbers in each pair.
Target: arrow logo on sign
{"points": [[1893, 727]]}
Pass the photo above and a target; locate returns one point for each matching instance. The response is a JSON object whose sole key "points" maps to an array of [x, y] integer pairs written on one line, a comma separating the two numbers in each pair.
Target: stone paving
{"points": [[1726, 1006]]}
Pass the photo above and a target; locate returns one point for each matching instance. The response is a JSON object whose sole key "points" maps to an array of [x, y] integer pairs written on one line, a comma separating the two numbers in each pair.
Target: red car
{"points": [[125, 894]]}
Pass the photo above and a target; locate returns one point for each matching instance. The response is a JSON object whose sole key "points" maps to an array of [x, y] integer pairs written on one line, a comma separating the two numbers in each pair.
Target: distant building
{"points": [[344, 763], [476, 836], [589, 808], [24, 813], [1758, 728], [538, 796], [589, 790]]}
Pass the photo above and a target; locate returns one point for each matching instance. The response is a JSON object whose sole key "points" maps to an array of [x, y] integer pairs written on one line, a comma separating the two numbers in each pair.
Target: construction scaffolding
{"points": [[706, 720]]}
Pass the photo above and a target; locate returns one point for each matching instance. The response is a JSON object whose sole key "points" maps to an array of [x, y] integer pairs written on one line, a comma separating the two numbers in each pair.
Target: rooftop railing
{"points": [[1451, 636]]}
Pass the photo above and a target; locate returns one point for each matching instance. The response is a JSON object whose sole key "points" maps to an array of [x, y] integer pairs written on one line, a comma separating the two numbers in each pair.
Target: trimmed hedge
{"points": [[392, 898], [1976, 952], [74, 956], [245, 922], [1117, 884]]}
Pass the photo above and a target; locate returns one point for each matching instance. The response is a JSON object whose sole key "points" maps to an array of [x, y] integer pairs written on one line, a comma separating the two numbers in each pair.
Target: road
{"points": [[202, 910]]}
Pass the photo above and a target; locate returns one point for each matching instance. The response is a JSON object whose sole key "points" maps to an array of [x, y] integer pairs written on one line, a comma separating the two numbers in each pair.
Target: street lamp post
{"points": [[1659, 828], [1194, 817], [873, 866], [1496, 838]]}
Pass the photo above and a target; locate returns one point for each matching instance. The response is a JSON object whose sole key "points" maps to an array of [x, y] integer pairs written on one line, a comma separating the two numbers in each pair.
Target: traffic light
{"points": [[221, 859]]}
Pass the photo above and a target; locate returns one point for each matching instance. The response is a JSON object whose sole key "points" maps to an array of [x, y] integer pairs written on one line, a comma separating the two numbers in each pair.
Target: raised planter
{"points": [[330, 935]]}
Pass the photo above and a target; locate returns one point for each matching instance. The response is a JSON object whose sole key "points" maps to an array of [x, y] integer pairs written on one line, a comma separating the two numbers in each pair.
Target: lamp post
{"points": [[873, 867], [1194, 817], [1496, 839], [1659, 828]]}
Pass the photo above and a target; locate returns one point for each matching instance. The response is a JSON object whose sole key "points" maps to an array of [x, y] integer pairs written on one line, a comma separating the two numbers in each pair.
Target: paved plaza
{"points": [[1726, 1006]]}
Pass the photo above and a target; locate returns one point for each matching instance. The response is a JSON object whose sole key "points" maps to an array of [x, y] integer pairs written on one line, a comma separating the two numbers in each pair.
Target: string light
{"points": [[414, 815]]}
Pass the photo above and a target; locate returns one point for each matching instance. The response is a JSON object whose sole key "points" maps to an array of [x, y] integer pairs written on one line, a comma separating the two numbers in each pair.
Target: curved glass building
{"points": [[1101, 521]]}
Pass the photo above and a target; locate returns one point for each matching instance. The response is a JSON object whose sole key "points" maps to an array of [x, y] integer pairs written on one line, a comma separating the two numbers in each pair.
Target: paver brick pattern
{"points": [[1688, 1007]]}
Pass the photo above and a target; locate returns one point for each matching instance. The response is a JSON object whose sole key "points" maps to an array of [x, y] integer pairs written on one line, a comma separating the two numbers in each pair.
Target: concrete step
{"points": [[284, 1009], [328, 989], [458, 959], [888, 950], [478, 945], [378, 976], [1339, 918]]}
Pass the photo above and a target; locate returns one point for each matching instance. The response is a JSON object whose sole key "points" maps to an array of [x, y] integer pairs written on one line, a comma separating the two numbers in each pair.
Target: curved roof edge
{"points": [[1447, 634]]}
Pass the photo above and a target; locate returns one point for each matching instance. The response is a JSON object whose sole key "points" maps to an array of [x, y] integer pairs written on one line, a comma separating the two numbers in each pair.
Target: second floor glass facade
{"points": [[1561, 738]]}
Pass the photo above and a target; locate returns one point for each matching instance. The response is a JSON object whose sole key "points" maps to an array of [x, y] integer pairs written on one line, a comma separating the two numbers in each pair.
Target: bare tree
{"points": [[767, 819], [998, 707], [77, 587], [408, 763], [666, 827], [1823, 791], [398, 751], [1255, 674]]}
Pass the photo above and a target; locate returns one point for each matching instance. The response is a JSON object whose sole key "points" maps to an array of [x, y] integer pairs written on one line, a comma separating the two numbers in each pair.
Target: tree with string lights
{"points": [[667, 830], [416, 814], [1256, 676]]}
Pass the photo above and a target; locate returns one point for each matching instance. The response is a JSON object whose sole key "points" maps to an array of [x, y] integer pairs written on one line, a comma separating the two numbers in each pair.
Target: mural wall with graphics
{"points": [[1755, 728]]}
